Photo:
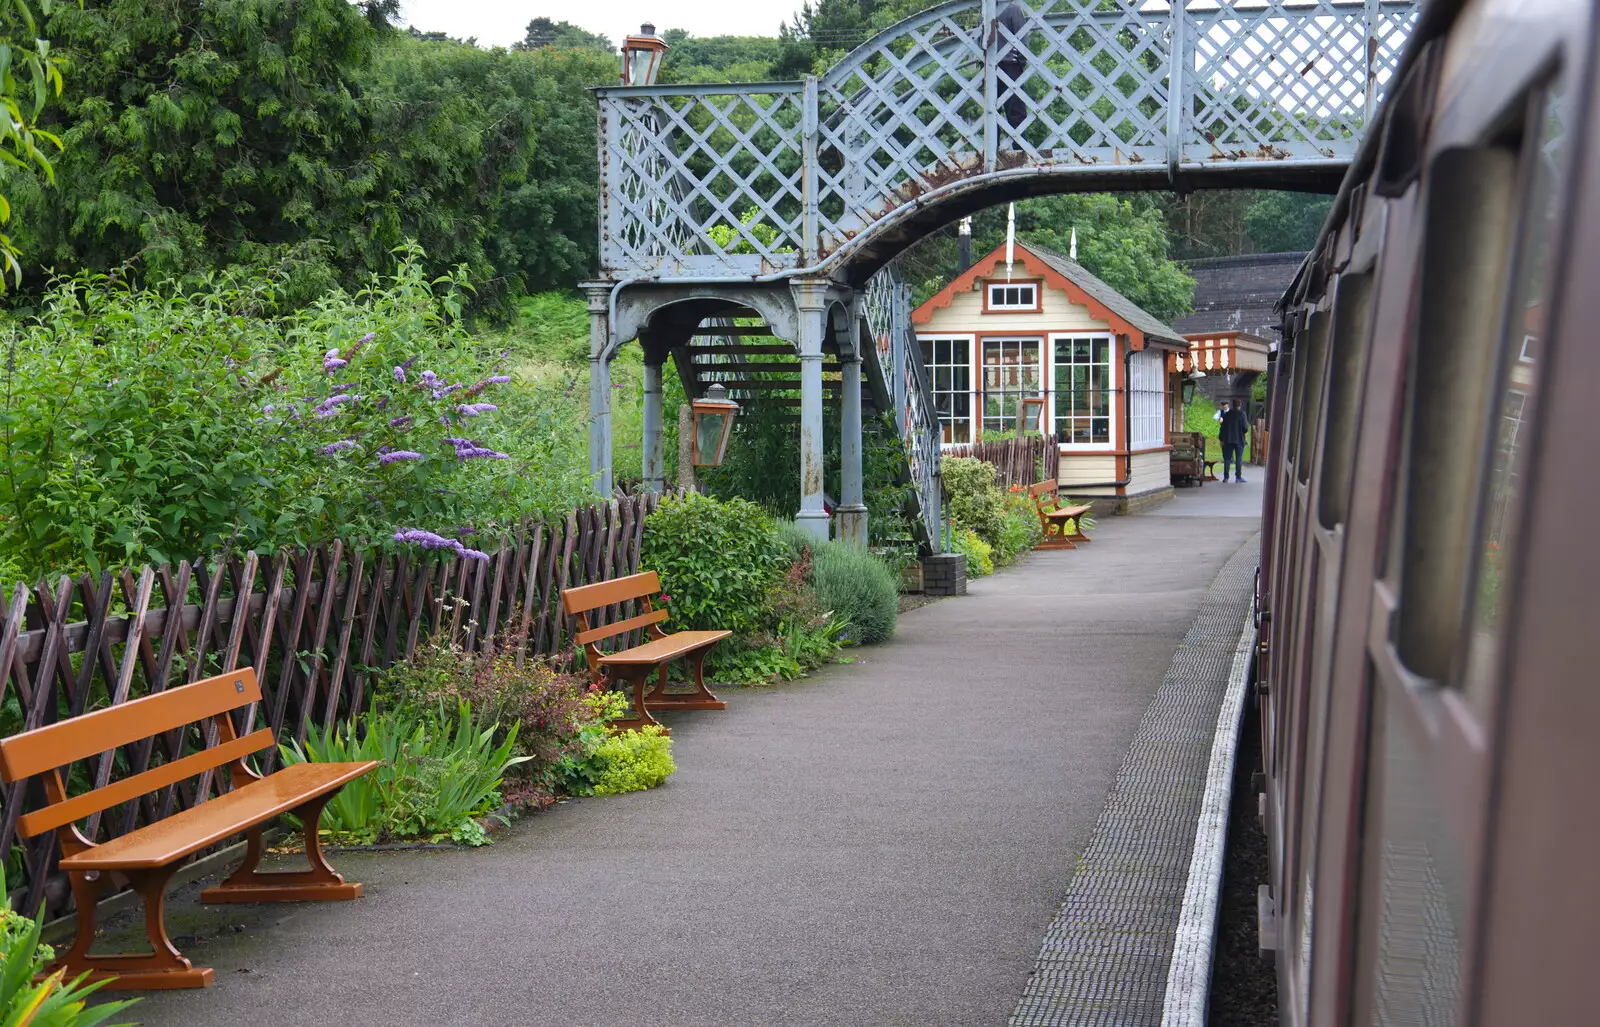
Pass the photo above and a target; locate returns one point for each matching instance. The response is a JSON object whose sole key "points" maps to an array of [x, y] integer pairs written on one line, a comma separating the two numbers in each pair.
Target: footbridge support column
{"points": [[600, 353], [811, 306], [654, 465], [852, 505]]}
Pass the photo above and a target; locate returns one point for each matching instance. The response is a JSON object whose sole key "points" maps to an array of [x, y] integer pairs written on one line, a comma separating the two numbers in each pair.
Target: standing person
{"points": [[1234, 426], [1013, 17]]}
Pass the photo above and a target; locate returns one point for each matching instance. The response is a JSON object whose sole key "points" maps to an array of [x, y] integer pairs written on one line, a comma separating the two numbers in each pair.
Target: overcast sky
{"points": [[503, 22]]}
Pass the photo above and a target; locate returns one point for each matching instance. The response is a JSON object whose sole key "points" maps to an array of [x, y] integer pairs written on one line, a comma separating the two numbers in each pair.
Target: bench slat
{"points": [[191, 830], [56, 745], [661, 650], [605, 593], [118, 792], [621, 627]]}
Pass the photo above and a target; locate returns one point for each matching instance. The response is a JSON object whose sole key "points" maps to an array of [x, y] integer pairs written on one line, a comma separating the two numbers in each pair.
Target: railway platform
{"points": [[884, 843]]}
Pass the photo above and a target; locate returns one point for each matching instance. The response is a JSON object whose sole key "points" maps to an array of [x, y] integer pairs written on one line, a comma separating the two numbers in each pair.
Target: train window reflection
{"points": [[1471, 201], [1514, 406], [1351, 337]]}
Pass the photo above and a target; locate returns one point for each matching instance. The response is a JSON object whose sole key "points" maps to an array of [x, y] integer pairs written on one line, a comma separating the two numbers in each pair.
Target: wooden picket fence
{"points": [[1019, 462], [316, 624]]}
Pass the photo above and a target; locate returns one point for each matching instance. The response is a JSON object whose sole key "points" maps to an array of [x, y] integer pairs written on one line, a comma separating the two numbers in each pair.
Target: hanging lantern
{"points": [[641, 57], [713, 422], [1189, 385], [1031, 415]]}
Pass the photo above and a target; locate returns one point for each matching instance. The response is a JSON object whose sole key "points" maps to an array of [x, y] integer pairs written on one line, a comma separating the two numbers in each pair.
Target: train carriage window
{"points": [[1314, 371], [1467, 241], [1351, 336], [1513, 407]]}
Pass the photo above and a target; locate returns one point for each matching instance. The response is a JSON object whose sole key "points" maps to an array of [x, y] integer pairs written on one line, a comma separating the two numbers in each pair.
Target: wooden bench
{"points": [[146, 858], [631, 668], [1060, 523]]}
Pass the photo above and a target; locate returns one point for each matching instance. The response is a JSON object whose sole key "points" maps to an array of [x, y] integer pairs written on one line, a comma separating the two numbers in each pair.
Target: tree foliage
{"points": [[1121, 239], [30, 75], [313, 136], [543, 32]]}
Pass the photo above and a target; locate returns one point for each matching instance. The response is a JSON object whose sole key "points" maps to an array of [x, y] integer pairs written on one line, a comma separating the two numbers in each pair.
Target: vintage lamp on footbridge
{"points": [[641, 57]]}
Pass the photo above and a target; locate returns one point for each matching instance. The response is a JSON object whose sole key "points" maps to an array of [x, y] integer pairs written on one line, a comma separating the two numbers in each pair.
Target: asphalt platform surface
{"points": [[883, 843]]}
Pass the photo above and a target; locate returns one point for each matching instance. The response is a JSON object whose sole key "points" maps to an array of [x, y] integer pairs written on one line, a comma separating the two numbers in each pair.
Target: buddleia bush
{"points": [[141, 424]]}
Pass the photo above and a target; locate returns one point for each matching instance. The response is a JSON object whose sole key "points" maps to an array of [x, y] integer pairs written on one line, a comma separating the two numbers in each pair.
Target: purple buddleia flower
{"points": [[426, 539], [398, 454], [472, 554], [399, 374], [405, 365], [498, 379], [338, 447], [474, 409], [429, 378], [346, 387], [332, 363], [442, 392], [400, 422], [268, 409], [366, 338], [330, 406], [480, 453]]}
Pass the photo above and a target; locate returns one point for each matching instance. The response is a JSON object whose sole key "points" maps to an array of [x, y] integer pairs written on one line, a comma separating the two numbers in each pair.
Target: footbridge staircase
{"points": [[786, 203]]}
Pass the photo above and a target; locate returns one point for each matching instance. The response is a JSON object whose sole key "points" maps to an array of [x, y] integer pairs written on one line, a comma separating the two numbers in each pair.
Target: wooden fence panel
{"points": [[316, 624]]}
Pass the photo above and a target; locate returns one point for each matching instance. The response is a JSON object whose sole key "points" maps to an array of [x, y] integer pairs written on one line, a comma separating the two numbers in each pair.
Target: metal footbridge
{"points": [[787, 201]]}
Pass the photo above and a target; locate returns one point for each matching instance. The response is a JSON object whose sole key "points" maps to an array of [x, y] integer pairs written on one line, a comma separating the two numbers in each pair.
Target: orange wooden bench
{"points": [[1060, 523], [632, 668], [148, 857]]}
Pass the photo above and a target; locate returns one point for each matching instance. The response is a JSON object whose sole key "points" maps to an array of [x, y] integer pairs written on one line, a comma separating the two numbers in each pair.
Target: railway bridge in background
{"points": [[747, 231]]}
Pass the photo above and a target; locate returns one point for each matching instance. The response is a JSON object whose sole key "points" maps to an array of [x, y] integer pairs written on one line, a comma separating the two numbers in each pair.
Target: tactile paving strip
{"points": [[1105, 957]]}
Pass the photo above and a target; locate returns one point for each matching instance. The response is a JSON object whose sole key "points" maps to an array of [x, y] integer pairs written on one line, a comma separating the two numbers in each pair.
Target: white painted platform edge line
{"points": [[1189, 973]]}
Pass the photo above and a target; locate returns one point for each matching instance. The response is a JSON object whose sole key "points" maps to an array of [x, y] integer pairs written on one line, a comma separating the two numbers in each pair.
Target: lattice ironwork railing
{"points": [[766, 179], [898, 360]]}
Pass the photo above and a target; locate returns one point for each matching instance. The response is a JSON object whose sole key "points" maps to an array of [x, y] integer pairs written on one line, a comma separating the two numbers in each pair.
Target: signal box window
{"points": [[1013, 296]]}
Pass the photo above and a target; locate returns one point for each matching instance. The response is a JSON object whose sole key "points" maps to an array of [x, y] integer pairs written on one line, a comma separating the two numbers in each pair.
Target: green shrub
{"points": [[612, 763], [859, 589], [718, 560], [437, 774], [796, 540], [538, 706], [976, 502], [1019, 530], [634, 760], [979, 554]]}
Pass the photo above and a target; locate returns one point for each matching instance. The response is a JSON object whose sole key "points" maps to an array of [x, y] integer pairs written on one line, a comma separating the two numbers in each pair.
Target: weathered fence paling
{"points": [[316, 625], [1018, 463]]}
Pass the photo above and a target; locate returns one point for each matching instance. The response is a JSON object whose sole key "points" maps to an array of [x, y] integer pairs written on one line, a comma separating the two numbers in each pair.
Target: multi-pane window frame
{"points": [[1063, 409], [1020, 296], [1146, 396], [1005, 417], [953, 385]]}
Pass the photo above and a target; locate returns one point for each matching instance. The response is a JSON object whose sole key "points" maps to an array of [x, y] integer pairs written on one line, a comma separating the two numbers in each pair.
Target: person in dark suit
{"points": [[1233, 429]]}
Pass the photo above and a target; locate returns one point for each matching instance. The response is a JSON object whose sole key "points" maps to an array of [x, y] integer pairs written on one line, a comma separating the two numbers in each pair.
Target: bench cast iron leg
{"points": [[699, 699], [320, 883], [634, 680], [160, 968]]}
